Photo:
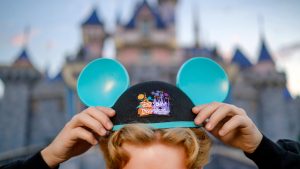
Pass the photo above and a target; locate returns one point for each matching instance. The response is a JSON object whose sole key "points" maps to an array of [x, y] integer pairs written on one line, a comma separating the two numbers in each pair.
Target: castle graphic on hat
{"points": [[105, 82]]}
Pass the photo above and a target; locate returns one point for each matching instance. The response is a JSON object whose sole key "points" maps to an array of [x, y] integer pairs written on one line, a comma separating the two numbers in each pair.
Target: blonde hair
{"points": [[195, 142]]}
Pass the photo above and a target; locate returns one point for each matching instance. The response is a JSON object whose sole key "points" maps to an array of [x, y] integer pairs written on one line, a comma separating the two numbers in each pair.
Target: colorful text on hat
{"points": [[158, 103]]}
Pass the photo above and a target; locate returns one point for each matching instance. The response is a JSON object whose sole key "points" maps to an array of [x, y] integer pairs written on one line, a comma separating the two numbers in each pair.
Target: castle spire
{"points": [[240, 59], [23, 59], [261, 29], [93, 19], [93, 35], [264, 55], [159, 22]]}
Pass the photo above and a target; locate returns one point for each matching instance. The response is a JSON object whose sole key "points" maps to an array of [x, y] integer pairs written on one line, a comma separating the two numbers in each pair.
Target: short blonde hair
{"points": [[195, 142]]}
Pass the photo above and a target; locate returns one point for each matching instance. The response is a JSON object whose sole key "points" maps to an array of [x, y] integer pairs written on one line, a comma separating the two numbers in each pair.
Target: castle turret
{"points": [[147, 42], [244, 94], [265, 55], [22, 69], [265, 63], [93, 37], [19, 78], [23, 60], [270, 84], [241, 60]]}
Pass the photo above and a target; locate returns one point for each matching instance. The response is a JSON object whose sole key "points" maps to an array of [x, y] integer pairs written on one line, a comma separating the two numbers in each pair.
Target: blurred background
{"points": [[45, 44]]}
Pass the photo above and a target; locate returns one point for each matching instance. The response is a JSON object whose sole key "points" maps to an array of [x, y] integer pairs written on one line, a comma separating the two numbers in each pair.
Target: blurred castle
{"points": [[35, 107]]}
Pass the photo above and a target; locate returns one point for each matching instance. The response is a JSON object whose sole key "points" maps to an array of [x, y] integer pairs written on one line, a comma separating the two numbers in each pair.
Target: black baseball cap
{"points": [[158, 104]]}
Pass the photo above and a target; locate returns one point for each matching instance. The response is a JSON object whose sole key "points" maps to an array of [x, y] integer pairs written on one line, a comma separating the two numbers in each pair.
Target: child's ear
{"points": [[102, 82], [203, 80]]}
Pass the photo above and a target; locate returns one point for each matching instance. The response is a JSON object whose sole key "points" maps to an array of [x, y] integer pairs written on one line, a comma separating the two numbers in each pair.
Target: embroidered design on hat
{"points": [[158, 103]]}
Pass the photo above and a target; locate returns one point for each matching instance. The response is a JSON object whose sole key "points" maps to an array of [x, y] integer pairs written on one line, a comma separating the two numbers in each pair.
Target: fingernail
{"points": [[208, 126], [109, 125], [196, 122], [103, 132], [199, 124]]}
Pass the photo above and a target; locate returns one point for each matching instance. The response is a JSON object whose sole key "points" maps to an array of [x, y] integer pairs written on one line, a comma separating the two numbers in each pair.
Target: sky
{"points": [[54, 29]]}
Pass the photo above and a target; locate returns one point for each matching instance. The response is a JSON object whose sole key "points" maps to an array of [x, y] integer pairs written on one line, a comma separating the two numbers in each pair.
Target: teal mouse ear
{"points": [[101, 82], [203, 80]]}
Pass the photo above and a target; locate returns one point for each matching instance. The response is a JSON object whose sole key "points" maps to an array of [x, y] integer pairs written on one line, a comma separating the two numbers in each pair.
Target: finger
{"points": [[108, 111], [85, 120], [220, 113], [206, 112], [234, 123], [83, 134], [198, 108], [216, 129], [101, 117]]}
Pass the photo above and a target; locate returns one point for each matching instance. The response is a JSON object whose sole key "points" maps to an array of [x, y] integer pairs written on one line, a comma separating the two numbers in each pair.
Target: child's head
{"points": [[128, 146]]}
